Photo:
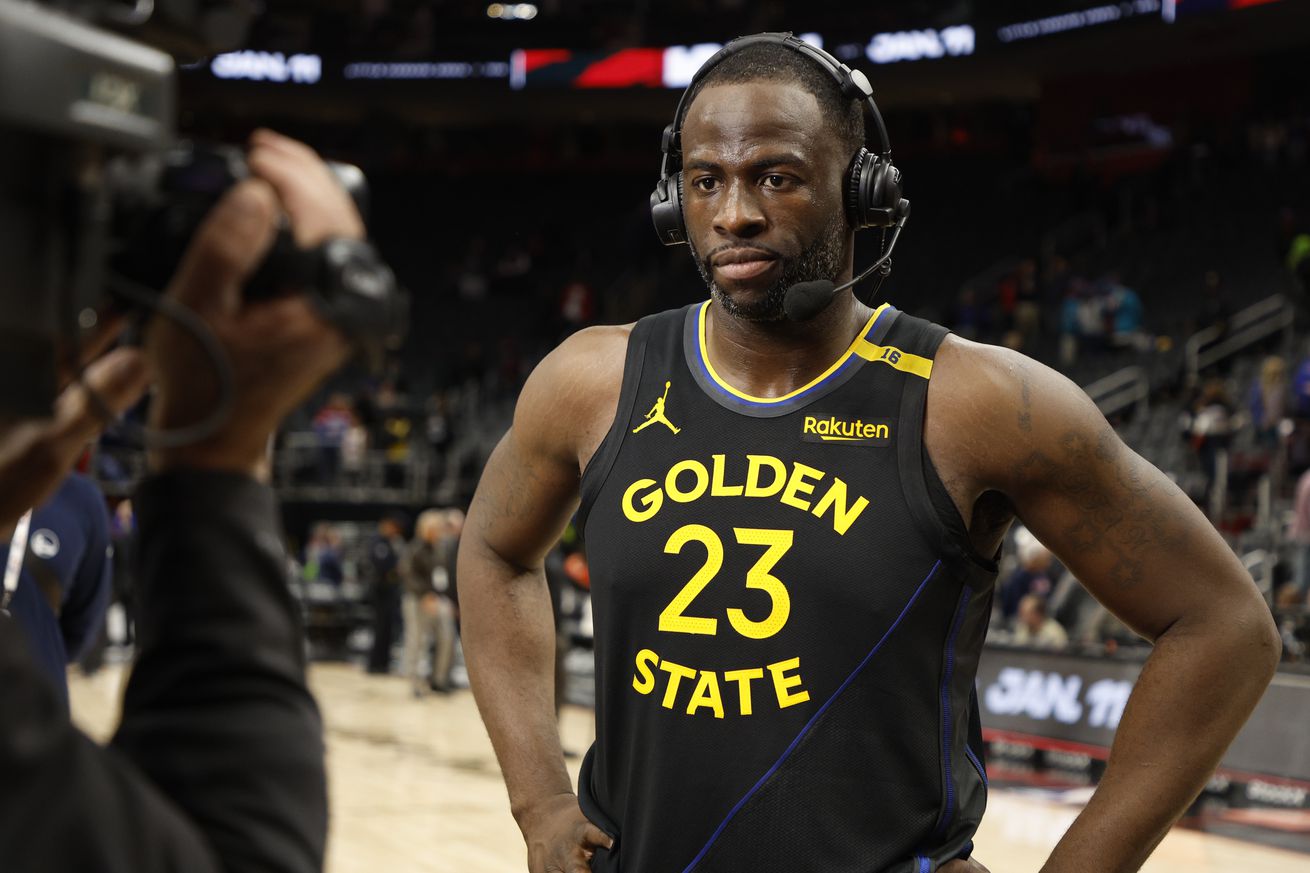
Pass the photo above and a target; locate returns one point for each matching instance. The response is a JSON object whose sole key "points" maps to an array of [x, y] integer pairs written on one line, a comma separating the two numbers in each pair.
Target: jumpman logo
{"points": [[657, 414]]}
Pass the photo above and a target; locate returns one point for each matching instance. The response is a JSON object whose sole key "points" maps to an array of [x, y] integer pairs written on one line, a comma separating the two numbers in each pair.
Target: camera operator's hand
{"points": [[36, 454], [279, 349]]}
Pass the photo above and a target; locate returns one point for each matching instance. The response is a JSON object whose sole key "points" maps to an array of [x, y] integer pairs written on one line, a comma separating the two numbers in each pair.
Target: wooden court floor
{"points": [[415, 787]]}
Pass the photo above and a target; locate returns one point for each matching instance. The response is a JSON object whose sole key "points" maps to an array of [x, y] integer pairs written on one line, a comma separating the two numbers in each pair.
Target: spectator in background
{"points": [[122, 533], [393, 433], [428, 609], [1291, 614], [382, 566], [1082, 322], [1034, 575], [1287, 598], [970, 319], [1028, 303], [557, 582], [1299, 533], [330, 424], [453, 530], [1210, 428], [354, 453], [323, 561], [565, 568], [1123, 310], [1301, 389], [448, 554], [64, 577], [1298, 260], [1037, 630], [438, 424], [1268, 400], [1056, 278]]}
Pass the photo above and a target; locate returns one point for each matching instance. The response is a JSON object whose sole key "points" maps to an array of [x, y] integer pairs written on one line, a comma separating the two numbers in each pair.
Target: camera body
{"points": [[159, 200], [71, 96], [93, 185]]}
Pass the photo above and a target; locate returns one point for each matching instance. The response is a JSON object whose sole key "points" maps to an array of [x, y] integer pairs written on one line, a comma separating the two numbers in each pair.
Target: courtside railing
{"points": [[1210, 345], [1121, 390]]}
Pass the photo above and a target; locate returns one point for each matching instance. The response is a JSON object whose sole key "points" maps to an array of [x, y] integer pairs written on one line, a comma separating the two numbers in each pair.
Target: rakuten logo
{"points": [[1043, 696]]}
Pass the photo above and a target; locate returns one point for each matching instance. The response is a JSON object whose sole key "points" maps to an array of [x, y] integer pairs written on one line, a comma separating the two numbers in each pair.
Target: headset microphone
{"points": [[804, 300]]}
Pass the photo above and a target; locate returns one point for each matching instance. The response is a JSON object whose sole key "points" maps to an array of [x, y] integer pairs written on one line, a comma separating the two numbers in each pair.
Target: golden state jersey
{"points": [[788, 617]]}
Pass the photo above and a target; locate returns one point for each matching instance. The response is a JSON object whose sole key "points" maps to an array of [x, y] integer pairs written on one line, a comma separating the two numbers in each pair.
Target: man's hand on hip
{"points": [[560, 839]]}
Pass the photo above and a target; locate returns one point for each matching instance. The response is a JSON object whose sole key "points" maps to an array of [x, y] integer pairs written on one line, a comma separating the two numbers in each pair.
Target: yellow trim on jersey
{"points": [[894, 357], [853, 349]]}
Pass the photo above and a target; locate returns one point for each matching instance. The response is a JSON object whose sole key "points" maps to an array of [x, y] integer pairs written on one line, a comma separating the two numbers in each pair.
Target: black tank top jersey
{"points": [[788, 617]]}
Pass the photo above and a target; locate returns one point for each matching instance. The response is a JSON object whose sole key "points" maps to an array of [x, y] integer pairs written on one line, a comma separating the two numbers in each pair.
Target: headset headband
{"points": [[853, 84]]}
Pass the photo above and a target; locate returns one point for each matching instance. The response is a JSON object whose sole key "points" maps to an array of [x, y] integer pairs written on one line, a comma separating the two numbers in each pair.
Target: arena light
{"points": [[417, 70], [301, 69], [1090, 17], [682, 61], [918, 45], [512, 11]]}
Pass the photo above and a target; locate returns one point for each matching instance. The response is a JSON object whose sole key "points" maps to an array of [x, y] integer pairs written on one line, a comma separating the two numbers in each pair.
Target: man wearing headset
{"points": [[792, 504]]}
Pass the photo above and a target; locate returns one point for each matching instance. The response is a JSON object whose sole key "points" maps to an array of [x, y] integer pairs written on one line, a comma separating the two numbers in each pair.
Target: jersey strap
{"points": [[931, 504], [598, 468]]}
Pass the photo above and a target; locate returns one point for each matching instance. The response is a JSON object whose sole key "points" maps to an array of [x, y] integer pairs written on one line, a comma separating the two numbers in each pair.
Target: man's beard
{"points": [[821, 259]]}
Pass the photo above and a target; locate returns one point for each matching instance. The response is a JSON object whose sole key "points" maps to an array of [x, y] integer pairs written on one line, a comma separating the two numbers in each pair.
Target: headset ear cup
{"points": [[890, 193], [880, 192], [855, 213], [666, 210]]}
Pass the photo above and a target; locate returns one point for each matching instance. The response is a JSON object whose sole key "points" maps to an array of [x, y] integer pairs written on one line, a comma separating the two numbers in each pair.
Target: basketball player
{"points": [[792, 570]]}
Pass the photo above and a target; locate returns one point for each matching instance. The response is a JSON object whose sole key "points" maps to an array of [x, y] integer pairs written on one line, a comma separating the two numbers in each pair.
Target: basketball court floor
{"points": [[415, 787]]}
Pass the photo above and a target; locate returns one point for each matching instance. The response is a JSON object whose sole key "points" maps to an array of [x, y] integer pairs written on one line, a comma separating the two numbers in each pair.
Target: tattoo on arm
{"points": [[1026, 401], [1117, 515]]}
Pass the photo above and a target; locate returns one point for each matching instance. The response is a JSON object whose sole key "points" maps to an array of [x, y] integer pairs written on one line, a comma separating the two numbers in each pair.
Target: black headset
{"points": [[873, 187]]}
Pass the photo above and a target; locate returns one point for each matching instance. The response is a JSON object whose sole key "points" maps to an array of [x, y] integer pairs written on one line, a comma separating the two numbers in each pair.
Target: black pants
{"points": [[386, 615]]}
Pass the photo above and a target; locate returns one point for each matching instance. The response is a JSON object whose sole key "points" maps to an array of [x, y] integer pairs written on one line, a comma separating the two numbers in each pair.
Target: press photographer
{"points": [[217, 763]]}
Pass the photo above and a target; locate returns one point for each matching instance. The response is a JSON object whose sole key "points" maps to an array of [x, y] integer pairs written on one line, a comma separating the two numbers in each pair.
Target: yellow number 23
{"points": [[776, 542]]}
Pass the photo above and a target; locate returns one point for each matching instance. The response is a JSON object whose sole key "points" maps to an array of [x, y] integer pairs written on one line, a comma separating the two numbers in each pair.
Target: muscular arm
{"points": [[523, 502], [1143, 549]]}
